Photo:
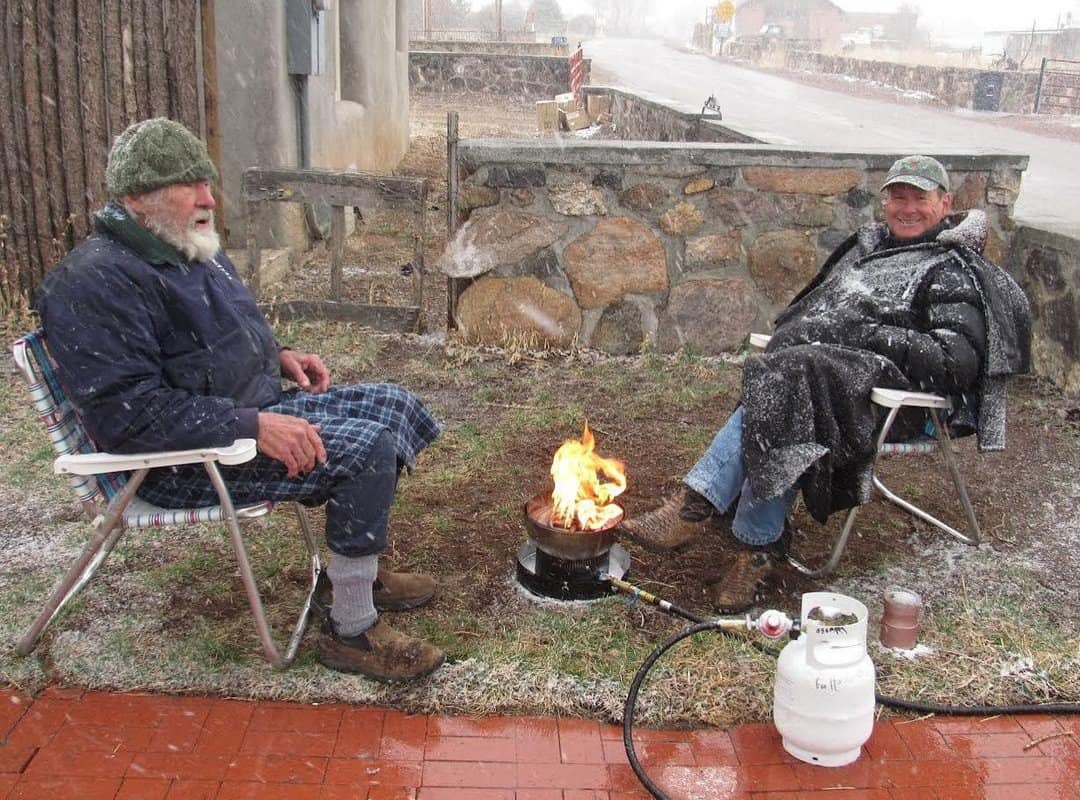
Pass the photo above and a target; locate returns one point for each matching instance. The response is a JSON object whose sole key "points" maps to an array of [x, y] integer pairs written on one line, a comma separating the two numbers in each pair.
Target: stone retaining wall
{"points": [[505, 48], [952, 86], [1048, 267], [536, 77], [626, 245], [633, 117]]}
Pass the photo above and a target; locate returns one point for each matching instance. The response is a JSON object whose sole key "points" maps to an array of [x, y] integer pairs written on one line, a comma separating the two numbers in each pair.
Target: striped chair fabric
{"points": [[68, 436]]}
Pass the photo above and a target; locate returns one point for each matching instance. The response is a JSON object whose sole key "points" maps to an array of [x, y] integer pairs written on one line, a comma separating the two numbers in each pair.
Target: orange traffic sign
{"points": [[725, 10]]}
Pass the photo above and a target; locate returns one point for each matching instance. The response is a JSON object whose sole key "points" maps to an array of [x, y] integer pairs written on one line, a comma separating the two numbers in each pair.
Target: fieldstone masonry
{"points": [[1047, 265], [539, 77], [635, 117], [987, 90], [622, 245]]}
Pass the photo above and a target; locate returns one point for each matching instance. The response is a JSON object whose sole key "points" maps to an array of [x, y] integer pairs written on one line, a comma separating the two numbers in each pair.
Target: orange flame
{"points": [[580, 499]]}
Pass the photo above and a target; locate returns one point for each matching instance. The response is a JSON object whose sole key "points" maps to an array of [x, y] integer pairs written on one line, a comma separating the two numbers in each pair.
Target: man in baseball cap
{"points": [[902, 305], [917, 198], [160, 346]]}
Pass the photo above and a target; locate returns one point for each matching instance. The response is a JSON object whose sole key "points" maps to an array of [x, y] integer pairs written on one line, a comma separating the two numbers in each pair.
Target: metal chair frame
{"points": [[107, 492], [894, 400]]}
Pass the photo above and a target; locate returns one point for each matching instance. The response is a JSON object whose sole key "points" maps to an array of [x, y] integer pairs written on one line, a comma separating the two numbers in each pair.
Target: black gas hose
{"points": [[891, 702]]}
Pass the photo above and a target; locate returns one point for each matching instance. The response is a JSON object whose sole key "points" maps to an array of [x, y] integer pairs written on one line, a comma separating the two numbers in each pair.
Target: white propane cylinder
{"points": [[823, 698]]}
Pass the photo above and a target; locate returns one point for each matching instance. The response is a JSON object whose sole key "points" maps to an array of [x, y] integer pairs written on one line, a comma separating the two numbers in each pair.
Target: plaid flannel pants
{"points": [[370, 432]]}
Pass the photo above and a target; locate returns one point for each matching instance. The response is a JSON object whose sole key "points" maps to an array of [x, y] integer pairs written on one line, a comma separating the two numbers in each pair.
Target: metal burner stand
{"points": [[564, 564], [546, 575]]}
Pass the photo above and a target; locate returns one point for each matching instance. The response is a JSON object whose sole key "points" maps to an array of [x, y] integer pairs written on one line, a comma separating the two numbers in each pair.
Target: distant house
{"points": [[893, 27], [822, 22], [1027, 49], [818, 20]]}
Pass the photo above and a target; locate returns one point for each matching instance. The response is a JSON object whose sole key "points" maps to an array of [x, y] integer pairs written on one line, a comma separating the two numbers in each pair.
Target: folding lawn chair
{"points": [[894, 400], [106, 483]]}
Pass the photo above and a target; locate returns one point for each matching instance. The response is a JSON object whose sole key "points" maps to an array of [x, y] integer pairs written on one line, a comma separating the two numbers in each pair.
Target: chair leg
{"points": [[107, 533], [972, 537], [314, 561], [849, 520], [269, 648], [834, 556]]}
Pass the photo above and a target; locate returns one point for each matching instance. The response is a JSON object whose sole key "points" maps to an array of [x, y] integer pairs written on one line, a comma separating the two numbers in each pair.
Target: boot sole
{"points": [[352, 669]]}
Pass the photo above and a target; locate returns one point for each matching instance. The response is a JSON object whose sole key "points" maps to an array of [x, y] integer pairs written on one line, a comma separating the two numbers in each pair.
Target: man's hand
{"points": [[306, 369], [293, 441]]}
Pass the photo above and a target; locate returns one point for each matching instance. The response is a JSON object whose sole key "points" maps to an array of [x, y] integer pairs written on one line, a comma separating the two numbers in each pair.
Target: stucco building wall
{"points": [[357, 109]]}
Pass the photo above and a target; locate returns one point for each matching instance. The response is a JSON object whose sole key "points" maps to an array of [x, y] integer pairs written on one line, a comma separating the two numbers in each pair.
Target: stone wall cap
{"points": [[573, 151]]}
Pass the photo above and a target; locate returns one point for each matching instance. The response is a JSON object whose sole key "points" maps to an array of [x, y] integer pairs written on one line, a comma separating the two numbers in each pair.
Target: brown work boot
{"points": [[380, 653], [398, 591], [670, 527], [737, 590], [392, 591]]}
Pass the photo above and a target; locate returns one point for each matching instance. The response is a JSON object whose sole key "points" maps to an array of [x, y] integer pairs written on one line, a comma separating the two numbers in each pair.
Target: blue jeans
{"points": [[720, 478]]}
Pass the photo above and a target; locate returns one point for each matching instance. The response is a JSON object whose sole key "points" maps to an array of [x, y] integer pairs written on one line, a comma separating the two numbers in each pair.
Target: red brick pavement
{"points": [[69, 743]]}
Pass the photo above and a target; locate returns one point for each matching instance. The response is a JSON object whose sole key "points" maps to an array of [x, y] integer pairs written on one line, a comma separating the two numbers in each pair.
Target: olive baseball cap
{"points": [[154, 153], [922, 171]]}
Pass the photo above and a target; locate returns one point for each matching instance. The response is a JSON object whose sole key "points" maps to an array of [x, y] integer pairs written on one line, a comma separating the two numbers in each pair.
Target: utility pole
{"points": [[427, 19], [498, 21]]}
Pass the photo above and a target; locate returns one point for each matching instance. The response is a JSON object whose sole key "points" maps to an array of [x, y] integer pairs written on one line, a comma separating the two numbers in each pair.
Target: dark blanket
{"points": [[808, 417], [809, 420]]}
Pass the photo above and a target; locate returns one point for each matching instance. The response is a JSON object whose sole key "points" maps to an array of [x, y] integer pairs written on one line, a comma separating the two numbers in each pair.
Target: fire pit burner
{"points": [[569, 579], [566, 564]]}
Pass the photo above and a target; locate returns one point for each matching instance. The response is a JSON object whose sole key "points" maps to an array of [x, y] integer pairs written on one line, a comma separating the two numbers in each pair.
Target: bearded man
{"points": [[909, 304], [160, 346]]}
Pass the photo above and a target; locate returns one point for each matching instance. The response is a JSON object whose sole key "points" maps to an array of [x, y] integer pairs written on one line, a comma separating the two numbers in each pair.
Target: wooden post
{"points": [[1038, 89], [452, 177], [418, 256], [254, 254], [337, 247]]}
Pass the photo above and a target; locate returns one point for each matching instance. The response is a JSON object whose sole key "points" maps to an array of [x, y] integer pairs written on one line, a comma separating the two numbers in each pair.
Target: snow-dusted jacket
{"points": [[930, 315], [156, 352]]}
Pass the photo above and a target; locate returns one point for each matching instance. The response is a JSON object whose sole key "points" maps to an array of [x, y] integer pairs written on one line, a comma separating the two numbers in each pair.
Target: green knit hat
{"points": [[154, 153]]}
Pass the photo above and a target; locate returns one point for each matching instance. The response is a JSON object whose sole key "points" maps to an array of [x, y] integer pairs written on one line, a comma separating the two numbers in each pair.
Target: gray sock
{"points": [[353, 611]]}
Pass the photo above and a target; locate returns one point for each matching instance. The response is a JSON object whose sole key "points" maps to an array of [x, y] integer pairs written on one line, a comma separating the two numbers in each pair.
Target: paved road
{"points": [[784, 112]]}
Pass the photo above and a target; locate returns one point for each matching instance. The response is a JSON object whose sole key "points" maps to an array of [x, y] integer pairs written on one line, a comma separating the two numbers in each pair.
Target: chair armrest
{"points": [[892, 398], [97, 463], [760, 340]]}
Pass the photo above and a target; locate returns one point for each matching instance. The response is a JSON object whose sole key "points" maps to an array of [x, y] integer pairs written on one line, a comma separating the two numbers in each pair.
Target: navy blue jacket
{"points": [[156, 352]]}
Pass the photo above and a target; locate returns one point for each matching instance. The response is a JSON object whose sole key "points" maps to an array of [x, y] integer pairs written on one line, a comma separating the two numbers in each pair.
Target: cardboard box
{"points": [[547, 116], [566, 102], [573, 120], [597, 104]]}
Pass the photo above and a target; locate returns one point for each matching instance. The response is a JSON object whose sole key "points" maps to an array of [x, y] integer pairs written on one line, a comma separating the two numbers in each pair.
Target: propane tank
{"points": [[823, 699]]}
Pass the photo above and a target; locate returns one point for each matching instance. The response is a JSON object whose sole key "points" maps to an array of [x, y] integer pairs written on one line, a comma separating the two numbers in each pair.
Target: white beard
{"points": [[196, 245]]}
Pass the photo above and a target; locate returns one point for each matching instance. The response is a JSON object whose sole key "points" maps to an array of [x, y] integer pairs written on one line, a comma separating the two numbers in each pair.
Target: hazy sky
{"points": [[942, 18]]}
